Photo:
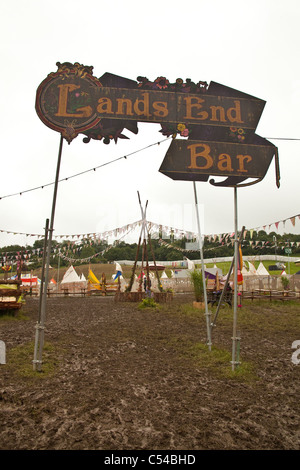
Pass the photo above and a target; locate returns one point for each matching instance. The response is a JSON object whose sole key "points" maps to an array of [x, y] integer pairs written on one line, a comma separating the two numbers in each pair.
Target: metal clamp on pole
{"points": [[236, 360]]}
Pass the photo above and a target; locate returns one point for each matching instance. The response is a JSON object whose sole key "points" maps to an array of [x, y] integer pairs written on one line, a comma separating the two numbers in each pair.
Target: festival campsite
{"points": [[148, 353], [120, 375]]}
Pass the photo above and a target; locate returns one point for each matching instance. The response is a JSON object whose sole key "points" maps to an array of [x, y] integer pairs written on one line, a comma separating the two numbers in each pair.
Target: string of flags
{"points": [[258, 244], [84, 260], [151, 225], [77, 241], [110, 233]]}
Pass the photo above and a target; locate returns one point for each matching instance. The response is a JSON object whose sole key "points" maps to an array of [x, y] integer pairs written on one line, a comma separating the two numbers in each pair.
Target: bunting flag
{"points": [[76, 242], [98, 237]]}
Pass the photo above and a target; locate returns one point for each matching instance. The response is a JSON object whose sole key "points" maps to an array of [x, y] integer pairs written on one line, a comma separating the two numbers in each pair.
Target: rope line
{"points": [[108, 163], [85, 171]]}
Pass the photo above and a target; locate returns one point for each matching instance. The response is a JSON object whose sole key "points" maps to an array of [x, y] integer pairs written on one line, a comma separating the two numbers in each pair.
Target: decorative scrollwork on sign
{"points": [[217, 123], [163, 84], [78, 69]]}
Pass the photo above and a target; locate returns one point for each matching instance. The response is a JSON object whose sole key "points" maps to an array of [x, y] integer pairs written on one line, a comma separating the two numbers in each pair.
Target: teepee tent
{"points": [[245, 271], [191, 265], [70, 276], [261, 270], [252, 269]]}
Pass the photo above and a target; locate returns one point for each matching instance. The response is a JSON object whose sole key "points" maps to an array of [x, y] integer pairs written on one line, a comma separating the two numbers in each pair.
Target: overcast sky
{"points": [[250, 46]]}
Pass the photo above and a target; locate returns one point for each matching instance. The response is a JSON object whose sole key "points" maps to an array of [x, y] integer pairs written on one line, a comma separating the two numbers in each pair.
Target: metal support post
{"points": [[207, 313], [39, 332], [234, 362], [227, 282], [43, 299]]}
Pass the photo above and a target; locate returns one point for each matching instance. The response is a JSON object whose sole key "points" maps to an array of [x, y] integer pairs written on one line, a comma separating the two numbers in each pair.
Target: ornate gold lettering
{"points": [[194, 154], [242, 159], [105, 106], [234, 114], [64, 90], [145, 106], [224, 163], [128, 110], [194, 103], [214, 112], [161, 108]]}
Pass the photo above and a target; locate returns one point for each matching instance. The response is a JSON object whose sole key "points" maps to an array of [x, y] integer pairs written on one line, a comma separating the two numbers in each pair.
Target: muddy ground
{"points": [[128, 379]]}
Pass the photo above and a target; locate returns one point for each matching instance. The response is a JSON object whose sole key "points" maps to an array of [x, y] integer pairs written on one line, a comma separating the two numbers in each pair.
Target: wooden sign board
{"points": [[72, 101], [218, 121], [197, 160]]}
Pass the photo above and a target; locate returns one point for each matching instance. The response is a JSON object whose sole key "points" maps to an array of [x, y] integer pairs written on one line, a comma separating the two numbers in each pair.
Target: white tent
{"points": [[181, 273], [261, 270], [71, 276], [191, 265], [252, 269], [164, 275], [245, 271]]}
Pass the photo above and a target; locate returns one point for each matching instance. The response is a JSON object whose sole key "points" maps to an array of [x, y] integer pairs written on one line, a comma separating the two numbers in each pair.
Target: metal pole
{"points": [[227, 281], [235, 295], [207, 313], [39, 327], [223, 292], [44, 297], [43, 267], [58, 266]]}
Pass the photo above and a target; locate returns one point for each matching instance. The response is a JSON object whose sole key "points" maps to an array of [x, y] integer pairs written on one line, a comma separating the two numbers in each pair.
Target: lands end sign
{"points": [[217, 118], [84, 100]]}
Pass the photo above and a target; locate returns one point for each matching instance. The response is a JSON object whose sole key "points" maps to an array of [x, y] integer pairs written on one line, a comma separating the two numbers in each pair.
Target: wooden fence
{"points": [[254, 287]]}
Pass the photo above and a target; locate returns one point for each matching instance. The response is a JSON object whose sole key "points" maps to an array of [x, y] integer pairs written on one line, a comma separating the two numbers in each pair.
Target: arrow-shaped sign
{"points": [[219, 121], [195, 160]]}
